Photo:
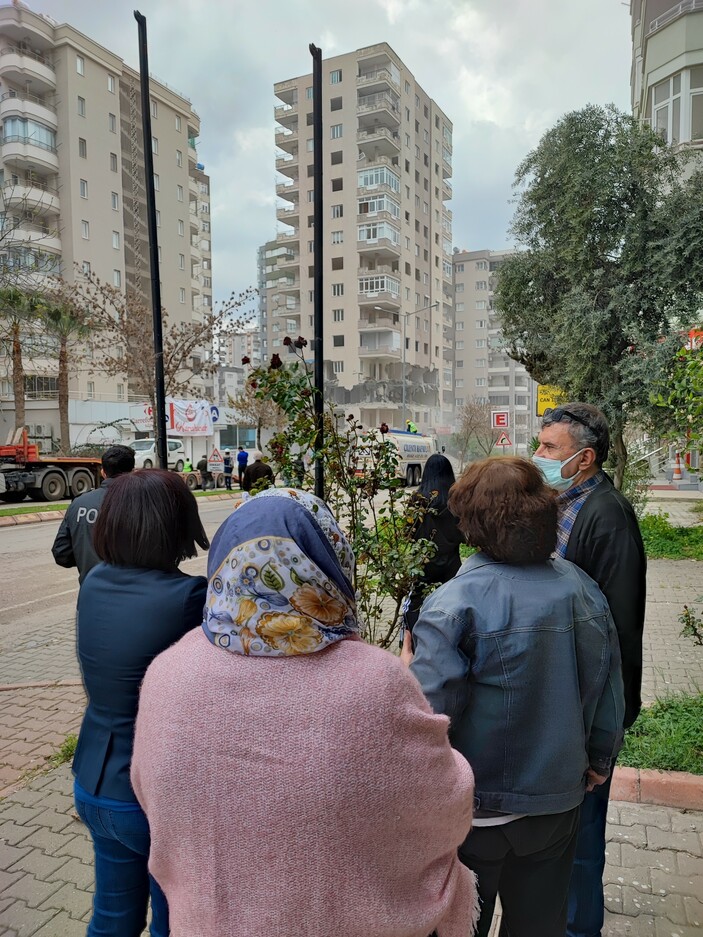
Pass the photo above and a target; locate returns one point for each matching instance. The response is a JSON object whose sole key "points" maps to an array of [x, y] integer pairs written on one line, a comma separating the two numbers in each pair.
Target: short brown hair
{"points": [[148, 519], [506, 511]]}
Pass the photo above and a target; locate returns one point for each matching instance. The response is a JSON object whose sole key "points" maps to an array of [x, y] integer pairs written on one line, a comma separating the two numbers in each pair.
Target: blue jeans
{"points": [[586, 902], [122, 881]]}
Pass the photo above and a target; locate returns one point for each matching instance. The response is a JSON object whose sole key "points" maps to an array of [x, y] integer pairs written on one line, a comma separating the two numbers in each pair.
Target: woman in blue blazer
{"points": [[132, 606]]}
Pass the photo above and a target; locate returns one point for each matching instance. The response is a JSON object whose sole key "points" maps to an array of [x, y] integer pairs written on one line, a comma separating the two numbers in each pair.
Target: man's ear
{"points": [[102, 473], [587, 460]]}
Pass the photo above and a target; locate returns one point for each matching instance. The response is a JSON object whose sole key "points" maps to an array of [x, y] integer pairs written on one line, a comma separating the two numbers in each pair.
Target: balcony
{"points": [[287, 139], [374, 110], [288, 165], [379, 323], [376, 80], [288, 190], [283, 310], [28, 106], [288, 285], [31, 195], [289, 214], [679, 9], [383, 290], [384, 346], [286, 115], [446, 190], [382, 141], [287, 91], [287, 262], [293, 237], [21, 66], [31, 233], [20, 150], [379, 250]]}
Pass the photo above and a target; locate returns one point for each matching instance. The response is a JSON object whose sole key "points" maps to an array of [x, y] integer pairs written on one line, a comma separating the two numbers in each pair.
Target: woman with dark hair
{"points": [[131, 607], [434, 522], [294, 777], [520, 651]]}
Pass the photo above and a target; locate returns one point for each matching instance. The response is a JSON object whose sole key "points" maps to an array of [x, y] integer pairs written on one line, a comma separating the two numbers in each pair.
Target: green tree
{"points": [[17, 315], [601, 210]]}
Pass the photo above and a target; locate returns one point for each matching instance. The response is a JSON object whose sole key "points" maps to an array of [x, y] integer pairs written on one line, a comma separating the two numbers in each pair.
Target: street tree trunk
{"points": [[64, 425], [259, 423], [18, 377], [620, 450]]}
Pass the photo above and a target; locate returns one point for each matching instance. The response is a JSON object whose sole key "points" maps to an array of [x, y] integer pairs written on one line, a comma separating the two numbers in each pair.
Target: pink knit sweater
{"points": [[310, 796]]}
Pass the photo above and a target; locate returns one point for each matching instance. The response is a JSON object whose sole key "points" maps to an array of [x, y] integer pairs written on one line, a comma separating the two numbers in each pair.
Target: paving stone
{"points": [[617, 925], [80, 847], [684, 842], [670, 907], [613, 897], [46, 840], [62, 926], [645, 815], [24, 921], [13, 834], [634, 835], [11, 854], [663, 928], [39, 864], [631, 857], [74, 901], [51, 819], [31, 890], [612, 853], [632, 877], [79, 873], [685, 822], [694, 909], [677, 884], [689, 865]]}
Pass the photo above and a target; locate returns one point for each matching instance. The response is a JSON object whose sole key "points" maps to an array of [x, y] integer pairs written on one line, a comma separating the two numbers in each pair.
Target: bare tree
{"points": [[259, 413], [475, 430]]}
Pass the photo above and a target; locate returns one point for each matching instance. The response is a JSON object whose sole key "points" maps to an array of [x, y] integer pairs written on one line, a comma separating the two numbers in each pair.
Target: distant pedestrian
{"points": [[228, 468], [410, 426], [134, 605], [206, 479], [242, 459], [73, 545], [256, 474], [187, 466]]}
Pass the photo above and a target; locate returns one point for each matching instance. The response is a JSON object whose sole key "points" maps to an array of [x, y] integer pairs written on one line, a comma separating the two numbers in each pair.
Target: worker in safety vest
{"points": [[410, 426]]}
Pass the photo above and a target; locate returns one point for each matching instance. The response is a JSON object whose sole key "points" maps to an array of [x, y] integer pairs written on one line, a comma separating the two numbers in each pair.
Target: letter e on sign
{"points": [[500, 419]]}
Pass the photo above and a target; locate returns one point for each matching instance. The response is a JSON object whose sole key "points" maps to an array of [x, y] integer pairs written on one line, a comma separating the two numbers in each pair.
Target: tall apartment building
{"points": [[482, 368], [73, 198], [388, 310], [667, 68]]}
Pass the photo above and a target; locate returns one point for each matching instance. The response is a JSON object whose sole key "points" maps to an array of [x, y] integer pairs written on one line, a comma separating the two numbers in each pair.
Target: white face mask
{"points": [[551, 471]]}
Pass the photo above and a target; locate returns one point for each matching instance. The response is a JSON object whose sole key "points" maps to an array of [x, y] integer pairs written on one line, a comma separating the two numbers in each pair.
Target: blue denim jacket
{"points": [[525, 661]]}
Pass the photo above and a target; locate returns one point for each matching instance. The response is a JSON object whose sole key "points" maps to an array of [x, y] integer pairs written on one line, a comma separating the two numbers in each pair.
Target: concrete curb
{"points": [[666, 788], [12, 520]]}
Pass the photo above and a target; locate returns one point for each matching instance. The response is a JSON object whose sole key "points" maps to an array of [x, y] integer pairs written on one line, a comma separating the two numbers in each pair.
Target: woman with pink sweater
{"points": [[294, 778]]}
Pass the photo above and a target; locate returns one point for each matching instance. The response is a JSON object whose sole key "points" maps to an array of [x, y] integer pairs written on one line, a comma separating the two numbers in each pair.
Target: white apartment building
{"points": [[482, 368], [387, 165], [667, 68], [73, 197]]}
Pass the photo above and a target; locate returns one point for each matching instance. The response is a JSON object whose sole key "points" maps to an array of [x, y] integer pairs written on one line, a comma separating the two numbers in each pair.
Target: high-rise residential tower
{"points": [[73, 199], [388, 310]]}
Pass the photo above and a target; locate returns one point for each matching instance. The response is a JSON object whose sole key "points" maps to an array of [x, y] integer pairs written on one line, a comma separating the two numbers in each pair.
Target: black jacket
{"points": [[126, 616], [254, 473], [606, 543], [442, 528], [73, 545]]}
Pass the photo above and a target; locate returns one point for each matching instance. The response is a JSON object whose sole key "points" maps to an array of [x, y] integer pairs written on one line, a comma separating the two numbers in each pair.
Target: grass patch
{"points": [[663, 541], [667, 736], [465, 551], [697, 508], [65, 752], [33, 507]]}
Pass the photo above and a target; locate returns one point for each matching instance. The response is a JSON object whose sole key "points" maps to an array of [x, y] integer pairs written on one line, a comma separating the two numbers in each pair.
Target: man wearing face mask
{"points": [[598, 531]]}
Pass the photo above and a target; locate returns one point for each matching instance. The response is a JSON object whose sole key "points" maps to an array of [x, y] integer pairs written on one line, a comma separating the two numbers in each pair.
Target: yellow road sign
{"points": [[548, 396]]}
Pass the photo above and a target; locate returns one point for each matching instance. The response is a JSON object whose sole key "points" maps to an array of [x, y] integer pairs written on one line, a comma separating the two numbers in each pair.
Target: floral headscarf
{"points": [[280, 578]]}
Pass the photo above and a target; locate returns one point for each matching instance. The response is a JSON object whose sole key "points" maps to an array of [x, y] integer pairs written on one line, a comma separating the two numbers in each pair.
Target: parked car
{"points": [[145, 454]]}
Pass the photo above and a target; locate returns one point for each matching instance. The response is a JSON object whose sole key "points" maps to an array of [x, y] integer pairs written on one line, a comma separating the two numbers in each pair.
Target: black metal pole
{"points": [[159, 384], [317, 343]]}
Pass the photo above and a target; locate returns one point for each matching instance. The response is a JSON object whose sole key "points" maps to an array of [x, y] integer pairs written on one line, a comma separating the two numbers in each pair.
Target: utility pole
{"points": [[317, 342]]}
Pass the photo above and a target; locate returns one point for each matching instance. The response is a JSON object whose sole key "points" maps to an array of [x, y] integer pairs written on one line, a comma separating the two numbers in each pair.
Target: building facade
{"points": [[483, 371], [667, 68], [73, 199], [388, 306]]}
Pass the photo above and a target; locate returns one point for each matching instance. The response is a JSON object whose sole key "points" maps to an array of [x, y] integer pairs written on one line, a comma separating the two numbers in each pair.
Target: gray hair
{"points": [[588, 427]]}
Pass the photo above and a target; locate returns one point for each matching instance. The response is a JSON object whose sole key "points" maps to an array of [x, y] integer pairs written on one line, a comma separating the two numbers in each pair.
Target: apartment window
{"points": [[338, 237], [157, 182], [117, 278], [338, 289], [179, 193], [459, 382], [309, 119], [81, 106], [667, 109], [90, 390], [696, 78], [113, 162], [459, 364], [338, 315], [111, 84], [181, 227], [481, 265], [459, 326], [311, 195], [338, 263], [205, 227], [310, 146], [115, 201], [336, 104], [459, 307], [336, 131], [178, 123], [480, 323], [336, 76], [181, 295], [85, 230], [337, 185], [308, 93], [459, 401], [116, 240], [481, 285], [112, 123], [155, 146], [158, 218], [480, 381], [84, 188], [336, 157], [154, 108], [480, 342], [82, 148], [80, 65], [338, 367], [85, 267], [337, 341], [179, 158], [120, 391], [181, 262], [479, 362], [337, 211], [459, 346]]}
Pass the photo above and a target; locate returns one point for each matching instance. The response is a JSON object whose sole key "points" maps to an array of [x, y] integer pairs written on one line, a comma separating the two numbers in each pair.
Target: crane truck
{"points": [[23, 471]]}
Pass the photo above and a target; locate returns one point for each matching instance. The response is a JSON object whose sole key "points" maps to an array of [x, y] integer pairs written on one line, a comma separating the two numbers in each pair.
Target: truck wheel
{"points": [[220, 480], [53, 487], [148, 463], [409, 476], [179, 465], [418, 475], [80, 483], [192, 482]]}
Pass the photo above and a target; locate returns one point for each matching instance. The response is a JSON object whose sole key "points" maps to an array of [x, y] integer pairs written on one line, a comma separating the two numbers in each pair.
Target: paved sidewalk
{"points": [[654, 876]]}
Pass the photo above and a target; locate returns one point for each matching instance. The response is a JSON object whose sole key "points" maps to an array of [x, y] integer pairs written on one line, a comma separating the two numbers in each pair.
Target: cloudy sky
{"points": [[502, 70]]}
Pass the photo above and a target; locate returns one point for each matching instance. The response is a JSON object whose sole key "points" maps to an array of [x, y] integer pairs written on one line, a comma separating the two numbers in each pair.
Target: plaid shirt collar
{"points": [[570, 503]]}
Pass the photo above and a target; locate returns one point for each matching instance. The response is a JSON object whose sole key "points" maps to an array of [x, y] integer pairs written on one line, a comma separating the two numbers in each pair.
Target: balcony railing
{"points": [[32, 98], [18, 138], [16, 50], [379, 74], [686, 6], [30, 184], [372, 102]]}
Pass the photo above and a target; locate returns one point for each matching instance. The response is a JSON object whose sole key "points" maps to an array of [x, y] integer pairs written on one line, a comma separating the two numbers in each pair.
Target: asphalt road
{"points": [[35, 591]]}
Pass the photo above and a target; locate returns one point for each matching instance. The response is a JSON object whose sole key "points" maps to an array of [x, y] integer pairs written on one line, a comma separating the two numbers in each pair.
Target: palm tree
{"points": [[18, 309]]}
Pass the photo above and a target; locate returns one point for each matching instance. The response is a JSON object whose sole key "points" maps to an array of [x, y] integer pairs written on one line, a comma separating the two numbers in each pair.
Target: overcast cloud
{"points": [[502, 70]]}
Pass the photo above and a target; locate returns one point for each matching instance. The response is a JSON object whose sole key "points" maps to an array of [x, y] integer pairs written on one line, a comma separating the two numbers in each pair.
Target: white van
{"points": [[145, 454], [414, 449]]}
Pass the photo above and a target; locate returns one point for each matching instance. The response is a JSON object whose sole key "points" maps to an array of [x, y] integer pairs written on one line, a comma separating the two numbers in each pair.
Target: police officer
{"points": [[73, 545], [228, 467]]}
